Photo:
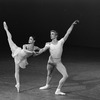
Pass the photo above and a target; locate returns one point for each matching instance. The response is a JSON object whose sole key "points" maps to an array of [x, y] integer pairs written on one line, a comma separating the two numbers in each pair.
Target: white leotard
{"points": [[56, 49]]}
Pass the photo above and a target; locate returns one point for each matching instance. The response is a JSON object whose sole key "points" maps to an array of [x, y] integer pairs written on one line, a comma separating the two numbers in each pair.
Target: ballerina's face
{"points": [[31, 40]]}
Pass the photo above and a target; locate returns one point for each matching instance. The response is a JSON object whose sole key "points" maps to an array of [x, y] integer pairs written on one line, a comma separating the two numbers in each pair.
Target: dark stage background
{"points": [[81, 54], [38, 17]]}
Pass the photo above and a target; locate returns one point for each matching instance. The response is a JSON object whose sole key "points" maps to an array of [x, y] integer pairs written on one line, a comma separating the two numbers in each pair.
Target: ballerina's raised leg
{"points": [[13, 48]]}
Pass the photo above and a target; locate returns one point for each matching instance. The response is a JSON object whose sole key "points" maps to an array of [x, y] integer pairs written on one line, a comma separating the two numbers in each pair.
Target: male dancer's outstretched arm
{"points": [[70, 29], [41, 50], [65, 37]]}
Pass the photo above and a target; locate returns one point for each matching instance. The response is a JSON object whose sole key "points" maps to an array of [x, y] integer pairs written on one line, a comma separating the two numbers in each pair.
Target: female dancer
{"points": [[20, 55]]}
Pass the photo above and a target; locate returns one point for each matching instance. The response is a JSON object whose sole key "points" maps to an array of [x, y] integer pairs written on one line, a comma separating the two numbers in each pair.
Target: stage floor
{"points": [[83, 82]]}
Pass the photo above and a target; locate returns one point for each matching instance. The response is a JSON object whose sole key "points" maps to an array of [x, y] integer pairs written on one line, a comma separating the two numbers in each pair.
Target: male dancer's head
{"points": [[53, 34]]}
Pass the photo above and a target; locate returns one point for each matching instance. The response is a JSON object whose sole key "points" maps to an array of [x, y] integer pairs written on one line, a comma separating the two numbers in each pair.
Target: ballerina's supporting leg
{"points": [[17, 77]]}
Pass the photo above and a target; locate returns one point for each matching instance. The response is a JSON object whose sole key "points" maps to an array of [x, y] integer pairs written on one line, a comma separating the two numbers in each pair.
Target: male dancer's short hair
{"points": [[56, 33]]}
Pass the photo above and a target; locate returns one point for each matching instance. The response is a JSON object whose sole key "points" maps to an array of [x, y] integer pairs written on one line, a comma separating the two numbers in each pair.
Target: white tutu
{"points": [[19, 59]]}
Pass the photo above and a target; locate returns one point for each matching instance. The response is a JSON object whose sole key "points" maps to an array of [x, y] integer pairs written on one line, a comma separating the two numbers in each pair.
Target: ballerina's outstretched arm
{"points": [[29, 51]]}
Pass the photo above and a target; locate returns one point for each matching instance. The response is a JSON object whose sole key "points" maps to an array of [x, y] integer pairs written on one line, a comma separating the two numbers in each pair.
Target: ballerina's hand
{"points": [[36, 54]]}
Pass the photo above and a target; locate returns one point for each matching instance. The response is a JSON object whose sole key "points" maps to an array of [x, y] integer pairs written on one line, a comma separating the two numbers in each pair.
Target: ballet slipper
{"points": [[58, 92], [44, 87], [17, 87]]}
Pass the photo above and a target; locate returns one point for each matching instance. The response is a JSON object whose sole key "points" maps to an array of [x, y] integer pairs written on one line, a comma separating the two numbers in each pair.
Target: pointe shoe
{"points": [[58, 92], [44, 87], [5, 26], [17, 87]]}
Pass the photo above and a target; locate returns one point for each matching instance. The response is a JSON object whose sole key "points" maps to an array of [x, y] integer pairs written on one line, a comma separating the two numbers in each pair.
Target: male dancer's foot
{"points": [[58, 92], [44, 87], [17, 87]]}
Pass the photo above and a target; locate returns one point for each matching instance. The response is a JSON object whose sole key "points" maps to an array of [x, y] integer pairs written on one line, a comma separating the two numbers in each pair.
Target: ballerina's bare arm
{"points": [[29, 51]]}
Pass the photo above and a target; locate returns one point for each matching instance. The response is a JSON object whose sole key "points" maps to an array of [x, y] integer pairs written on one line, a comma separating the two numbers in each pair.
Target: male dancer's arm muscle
{"points": [[43, 49], [70, 29]]}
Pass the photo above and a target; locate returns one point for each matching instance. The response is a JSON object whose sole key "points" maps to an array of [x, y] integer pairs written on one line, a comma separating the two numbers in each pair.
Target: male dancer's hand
{"points": [[35, 54], [75, 22]]}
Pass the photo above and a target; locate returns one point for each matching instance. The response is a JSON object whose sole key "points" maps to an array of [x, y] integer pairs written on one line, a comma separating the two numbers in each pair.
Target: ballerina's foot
{"points": [[44, 87], [5, 25], [17, 87]]}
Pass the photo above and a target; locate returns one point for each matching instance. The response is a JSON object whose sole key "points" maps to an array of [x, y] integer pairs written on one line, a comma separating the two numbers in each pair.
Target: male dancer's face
{"points": [[53, 35]]}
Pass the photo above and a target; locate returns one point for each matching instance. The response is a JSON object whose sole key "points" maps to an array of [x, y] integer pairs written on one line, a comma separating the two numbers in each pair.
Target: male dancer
{"points": [[20, 55], [56, 48]]}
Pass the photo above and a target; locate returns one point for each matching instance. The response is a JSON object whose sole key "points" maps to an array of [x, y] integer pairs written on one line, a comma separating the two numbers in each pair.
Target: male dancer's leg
{"points": [[50, 68], [61, 68]]}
